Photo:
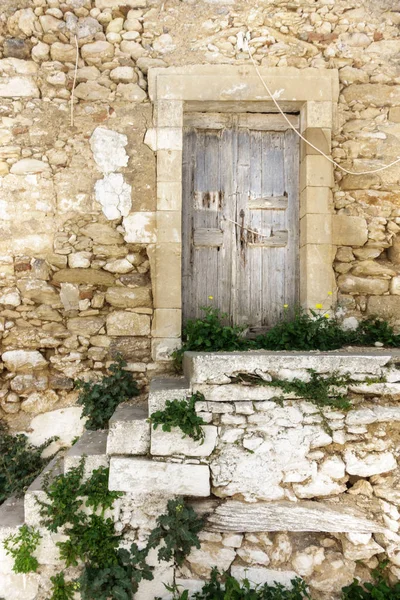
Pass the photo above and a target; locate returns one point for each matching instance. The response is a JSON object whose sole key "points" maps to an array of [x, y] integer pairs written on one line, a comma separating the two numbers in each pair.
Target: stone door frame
{"points": [[174, 90]]}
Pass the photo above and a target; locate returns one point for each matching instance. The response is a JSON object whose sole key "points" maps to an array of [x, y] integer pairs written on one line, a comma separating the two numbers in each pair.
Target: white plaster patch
{"points": [[114, 195], [108, 149], [140, 228]]}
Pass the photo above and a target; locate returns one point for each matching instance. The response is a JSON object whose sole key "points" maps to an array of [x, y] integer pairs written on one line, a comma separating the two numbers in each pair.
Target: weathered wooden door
{"points": [[240, 216]]}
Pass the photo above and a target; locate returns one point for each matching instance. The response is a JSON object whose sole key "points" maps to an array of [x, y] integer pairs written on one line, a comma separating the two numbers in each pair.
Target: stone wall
{"points": [[77, 202]]}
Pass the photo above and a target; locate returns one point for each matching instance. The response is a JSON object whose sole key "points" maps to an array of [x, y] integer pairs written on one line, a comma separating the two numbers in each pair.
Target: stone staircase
{"points": [[152, 463]]}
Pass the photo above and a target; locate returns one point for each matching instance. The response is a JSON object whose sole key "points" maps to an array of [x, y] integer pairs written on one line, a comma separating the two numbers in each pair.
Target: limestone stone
{"points": [[65, 423], [350, 284], [349, 75], [69, 296], [63, 52], [367, 252], [23, 360], [85, 325], [385, 307], [174, 442], [395, 286], [16, 48], [27, 383], [29, 165], [112, 3], [133, 49], [370, 464], [79, 260], [306, 561], [50, 23], [87, 74], [131, 92], [372, 93], [122, 297], [39, 291], [371, 268], [123, 75], [259, 576], [92, 91], [108, 149], [394, 251], [19, 586], [333, 574], [103, 234], [349, 231], [120, 323], [139, 475], [95, 51], [84, 276], [39, 402], [121, 266], [361, 551], [10, 296], [134, 348]]}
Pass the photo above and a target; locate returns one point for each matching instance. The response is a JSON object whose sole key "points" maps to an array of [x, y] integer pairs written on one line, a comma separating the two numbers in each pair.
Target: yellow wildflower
{"points": [[319, 306], [326, 315], [211, 297], [286, 306], [330, 293]]}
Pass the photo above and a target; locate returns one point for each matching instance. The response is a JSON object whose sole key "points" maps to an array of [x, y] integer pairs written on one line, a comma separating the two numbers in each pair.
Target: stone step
{"points": [[167, 388], [93, 446], [172, 443], [129, 432], [144, 476], [217, 368], [35, 492]]}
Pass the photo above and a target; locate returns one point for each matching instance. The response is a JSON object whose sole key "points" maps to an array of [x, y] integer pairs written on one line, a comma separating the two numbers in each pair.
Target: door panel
{"points": [[240, 217]]}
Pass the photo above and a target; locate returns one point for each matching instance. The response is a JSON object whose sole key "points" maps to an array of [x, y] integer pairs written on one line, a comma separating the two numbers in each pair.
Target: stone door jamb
{"points": [[174, 90]]}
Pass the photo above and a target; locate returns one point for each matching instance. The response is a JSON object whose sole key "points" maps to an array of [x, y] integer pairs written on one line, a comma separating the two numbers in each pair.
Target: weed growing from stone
{"points": [[182, 414], [176, 531], [304, 331], [379, 589], [20, 463], [21, 547], [109, 572], [61, 589], [222, 586], [99, 400]]}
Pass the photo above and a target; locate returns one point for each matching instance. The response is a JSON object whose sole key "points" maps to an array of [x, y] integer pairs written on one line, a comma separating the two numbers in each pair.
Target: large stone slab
{"points": [[169, 443], [23, 360], [217, 368], [259, 576], [121, 323], [303, 515], [129, 431], [142, 476], [84, 276]]}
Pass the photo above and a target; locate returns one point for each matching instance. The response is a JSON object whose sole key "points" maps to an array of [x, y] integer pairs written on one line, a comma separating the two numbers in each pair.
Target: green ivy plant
{"points": [[225, 587], [182, 414], [119, 579], [21, 547], [379, 589], [178, 529], [61, 589], [209, 334], [304, 330], [20, 463], [320, 390], [100, 399]]}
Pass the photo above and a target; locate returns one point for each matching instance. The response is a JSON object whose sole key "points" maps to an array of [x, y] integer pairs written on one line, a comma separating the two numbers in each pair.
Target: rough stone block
{"points": [[385, 307], [349, 231], [236, 392], [316, 114], [93, 446], [166, 388], [140, 228], [129, 431], [35, 492], [18, 87], [121, 323], [318, 276], [259, 576], [169, 443], [163, 348], [138, 475], [23, 360], [19, 586], [167, 284]]}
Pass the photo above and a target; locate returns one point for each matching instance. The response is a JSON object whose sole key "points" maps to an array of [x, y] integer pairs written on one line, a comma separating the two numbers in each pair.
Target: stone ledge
{"points": [[93, 446], [142, 476], [216, 368]]}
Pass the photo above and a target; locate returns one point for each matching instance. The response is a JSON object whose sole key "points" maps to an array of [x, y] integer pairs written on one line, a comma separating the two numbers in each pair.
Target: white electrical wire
{"points": [[395, 162]]}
